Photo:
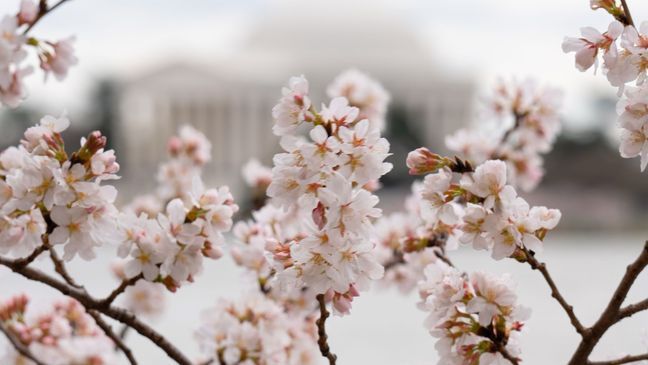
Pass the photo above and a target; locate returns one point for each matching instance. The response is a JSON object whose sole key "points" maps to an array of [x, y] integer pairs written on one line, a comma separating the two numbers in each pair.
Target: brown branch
{"points": [[443, 257], [59, 267], [555, 293], [19, 346], [322, 340], [507, 355], [102, 306], [123, 332], [632, 309], [29, 259], [626, 13], [624, 360], [44, 10], [396, 260], [121, 288], [519, 117], [610, 315], [107, 329]]}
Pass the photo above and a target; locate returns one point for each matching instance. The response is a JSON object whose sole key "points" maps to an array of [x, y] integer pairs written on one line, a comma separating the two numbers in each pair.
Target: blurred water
{"points": [[386, 328]]}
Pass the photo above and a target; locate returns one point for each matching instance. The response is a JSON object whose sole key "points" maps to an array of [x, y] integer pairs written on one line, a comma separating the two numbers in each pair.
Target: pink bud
{"points": [[422, 161], [175, 146]]}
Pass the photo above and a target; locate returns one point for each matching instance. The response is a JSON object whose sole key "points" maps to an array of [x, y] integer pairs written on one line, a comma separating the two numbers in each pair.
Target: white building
{"points": [[231, 102]]}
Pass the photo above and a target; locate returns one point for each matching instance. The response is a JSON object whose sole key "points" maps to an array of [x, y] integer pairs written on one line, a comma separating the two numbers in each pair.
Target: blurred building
{"points": [[231, 100]]}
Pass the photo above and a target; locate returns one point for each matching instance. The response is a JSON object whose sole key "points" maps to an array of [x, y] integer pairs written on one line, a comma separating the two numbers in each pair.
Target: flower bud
{"points": [[422, 161]]}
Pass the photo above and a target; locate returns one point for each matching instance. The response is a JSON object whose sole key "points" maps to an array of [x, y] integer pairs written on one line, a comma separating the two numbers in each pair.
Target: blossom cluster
{"points": [[169, 246], [407, 243], [482, 209], [62, 336], [255, 330], [55, 57], [474, 317], [526, 123], [622, 48], [326, 179], [48, 196]]}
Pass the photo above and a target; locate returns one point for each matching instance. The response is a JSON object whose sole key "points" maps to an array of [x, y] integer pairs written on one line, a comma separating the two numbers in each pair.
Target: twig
{"points": [[507, 355], [121, 288], [555, 293], [109, 310], [610, 315], [443, 257], [322, 340], [633, 309], [518, 121], [123, 332], [107, 329], [59, 267], [626, 13], [41, 13], [29, 259], [19, 346], [624, 360]]}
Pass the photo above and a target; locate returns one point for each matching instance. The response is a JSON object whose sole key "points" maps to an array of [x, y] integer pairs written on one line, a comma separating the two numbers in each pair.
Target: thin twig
{"points": [[59, 267], [107, 329], [507, 355], [123, 332], [121, 288], [443, 257], [518, 121], [41, 14], [19, 346], [322, 340], [624, 360], [626, 12], [555, 293], [29, 259], [610, 315], [109, 310], [633, 309]]}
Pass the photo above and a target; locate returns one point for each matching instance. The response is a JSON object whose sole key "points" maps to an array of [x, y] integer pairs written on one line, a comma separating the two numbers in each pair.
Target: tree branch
{"points": [[632, 309], [59, 267], [19, 346], [610, 315], [322, 340], [624, 360], [507, 355], [626, 13], [102, 306], [107, 329], [121, 288], [41, 14], [555, 293]]}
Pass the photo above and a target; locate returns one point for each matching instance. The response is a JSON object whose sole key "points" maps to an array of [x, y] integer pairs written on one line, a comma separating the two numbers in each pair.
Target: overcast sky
{"points": [[482, 38]]}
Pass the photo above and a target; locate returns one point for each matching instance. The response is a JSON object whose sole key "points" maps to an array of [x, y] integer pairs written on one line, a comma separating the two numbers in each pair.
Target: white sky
{"points": [[482, 38]]}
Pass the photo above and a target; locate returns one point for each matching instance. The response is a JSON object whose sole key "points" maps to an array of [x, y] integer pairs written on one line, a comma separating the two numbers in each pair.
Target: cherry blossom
{"points": [[322, 179], [364, 93], [55, 56], [521, 124], [254, 330], [63, 335], [588, 46], [168, 245], [472, 317], [59, 60], [293, 108]]}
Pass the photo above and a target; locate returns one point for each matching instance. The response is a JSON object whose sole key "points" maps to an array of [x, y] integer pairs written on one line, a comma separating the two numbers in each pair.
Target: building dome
{"points": [[319, 38]]}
